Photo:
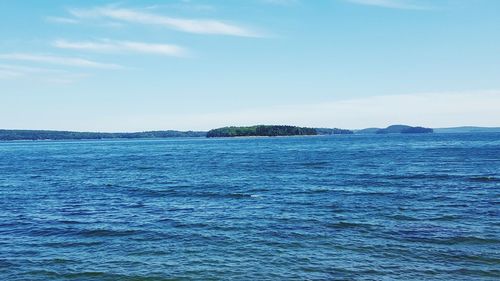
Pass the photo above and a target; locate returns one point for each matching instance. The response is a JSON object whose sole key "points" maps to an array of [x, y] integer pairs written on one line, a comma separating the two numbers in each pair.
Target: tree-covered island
{"points": [[10, 135], [272, 131], [261, 130]]}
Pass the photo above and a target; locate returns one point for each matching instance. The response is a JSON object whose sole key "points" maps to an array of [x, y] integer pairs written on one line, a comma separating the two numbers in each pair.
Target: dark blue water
{"points": [[378, 207]]}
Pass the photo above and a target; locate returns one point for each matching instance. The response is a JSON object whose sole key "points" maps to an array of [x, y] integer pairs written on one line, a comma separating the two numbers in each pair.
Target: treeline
{"points": [[261, 130], [417, 130], [333, 131], [68, 135]]}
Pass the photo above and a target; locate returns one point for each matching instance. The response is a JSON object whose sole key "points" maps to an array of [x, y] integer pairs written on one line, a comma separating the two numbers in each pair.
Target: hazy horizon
{"points": [[197, 65]]}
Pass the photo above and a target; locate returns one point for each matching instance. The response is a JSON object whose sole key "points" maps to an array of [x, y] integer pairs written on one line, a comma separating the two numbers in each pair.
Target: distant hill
{"points": [[404, 129], [68, 135], [396, 129], [409, 129], [468, 129]]}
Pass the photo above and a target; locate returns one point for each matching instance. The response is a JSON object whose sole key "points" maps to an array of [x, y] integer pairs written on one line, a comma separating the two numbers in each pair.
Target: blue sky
{"points": [[153, 65]]}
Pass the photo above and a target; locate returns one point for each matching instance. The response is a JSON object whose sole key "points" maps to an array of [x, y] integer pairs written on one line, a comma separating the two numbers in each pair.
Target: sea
{"points": [[340, 207]]}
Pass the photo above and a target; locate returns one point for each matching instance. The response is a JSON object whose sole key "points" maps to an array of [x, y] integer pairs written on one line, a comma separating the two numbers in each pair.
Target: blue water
{"points": [[374, 207]]}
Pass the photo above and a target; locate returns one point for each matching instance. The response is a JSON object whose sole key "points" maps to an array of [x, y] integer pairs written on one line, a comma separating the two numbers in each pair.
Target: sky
{"points": [[195, 65]]}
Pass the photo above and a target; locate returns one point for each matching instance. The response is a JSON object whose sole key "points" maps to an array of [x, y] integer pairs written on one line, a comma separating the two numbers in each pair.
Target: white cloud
{"points": [[122, 47], [8, 71], [393, 4], [281, 2], [184, 6], [64, 79], [62, 20], [8, 74], [58, 60], [199, 26], [25, 69]]}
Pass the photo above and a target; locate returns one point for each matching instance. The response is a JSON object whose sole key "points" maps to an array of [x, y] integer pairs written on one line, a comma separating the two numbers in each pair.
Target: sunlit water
{"points": [[374, 207]]}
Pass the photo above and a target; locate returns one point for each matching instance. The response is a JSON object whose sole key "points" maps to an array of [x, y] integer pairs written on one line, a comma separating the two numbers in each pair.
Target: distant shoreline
{"points": [[49, 135]]}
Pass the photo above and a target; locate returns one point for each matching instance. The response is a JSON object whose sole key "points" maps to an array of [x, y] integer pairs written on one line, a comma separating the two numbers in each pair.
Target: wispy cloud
{"points": [[199, 26], [183, 6], [59, 60], [27, 69], [281, 2], [122, 47], [392, 4], [62, 20], [8, 74], [9, 71]]}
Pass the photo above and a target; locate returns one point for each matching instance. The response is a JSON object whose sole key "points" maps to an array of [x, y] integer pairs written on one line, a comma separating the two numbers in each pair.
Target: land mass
{"points": [[468, 129], [7, 135], [261, 130], [396, 129], [258, 130], [273, 131]]}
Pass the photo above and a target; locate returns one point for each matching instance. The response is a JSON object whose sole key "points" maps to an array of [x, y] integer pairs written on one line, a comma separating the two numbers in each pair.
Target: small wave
{"points": [[180, 209], [71, 222], [475, 272], [403, 218], [484, 179], [313, 191], [467, 240], [84, 275], [461, 256], [317, 164], [59, 261], [107, 232], [71, 244], [421, 176], [189, 225], [235, 195], [445, 218], [149, 253], [344, 224], [471, 240], [318, 190], [6, 264], [365, 192], [240, 195]]}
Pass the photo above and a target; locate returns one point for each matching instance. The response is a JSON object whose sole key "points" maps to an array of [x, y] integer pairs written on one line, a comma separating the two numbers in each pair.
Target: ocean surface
{"points": [[345, 207]]}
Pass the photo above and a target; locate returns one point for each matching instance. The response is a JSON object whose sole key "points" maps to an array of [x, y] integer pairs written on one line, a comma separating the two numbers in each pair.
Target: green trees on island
{"points": [[261, 130], [333, 131], [66, 135], [233, 131]]}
